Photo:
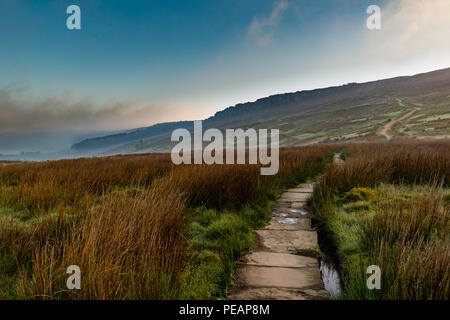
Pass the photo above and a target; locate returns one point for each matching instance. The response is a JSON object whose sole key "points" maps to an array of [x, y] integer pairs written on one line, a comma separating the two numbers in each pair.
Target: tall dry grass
{"points": [[372, 163], [408, 238], [44, 185], [126, 247], [120, 219]]}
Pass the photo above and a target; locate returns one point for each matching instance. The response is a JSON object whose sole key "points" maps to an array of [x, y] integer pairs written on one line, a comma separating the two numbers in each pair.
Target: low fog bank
{"points": [[43, 145]]}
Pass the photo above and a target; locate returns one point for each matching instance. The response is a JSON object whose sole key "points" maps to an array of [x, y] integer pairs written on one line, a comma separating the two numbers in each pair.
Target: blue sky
{"points": [[135, 63]]}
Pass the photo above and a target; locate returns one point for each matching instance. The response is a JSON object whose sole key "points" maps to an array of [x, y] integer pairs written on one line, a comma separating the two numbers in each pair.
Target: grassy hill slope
{"points": [[352, 112]]}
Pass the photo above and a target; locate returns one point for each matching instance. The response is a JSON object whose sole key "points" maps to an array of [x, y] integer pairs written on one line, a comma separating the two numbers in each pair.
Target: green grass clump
{"points": [[359, 194], [400, 224], [218, 240], [215, 246], [407, 239]]}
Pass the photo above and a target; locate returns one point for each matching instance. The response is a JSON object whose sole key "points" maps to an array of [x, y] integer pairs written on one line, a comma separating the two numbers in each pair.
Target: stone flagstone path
{"points": [[282, 266]]}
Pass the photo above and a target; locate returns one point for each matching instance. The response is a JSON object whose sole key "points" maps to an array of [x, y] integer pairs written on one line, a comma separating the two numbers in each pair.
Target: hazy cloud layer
{"points": [[55, 123], [262, 28], [411, 28], [62, 113]]}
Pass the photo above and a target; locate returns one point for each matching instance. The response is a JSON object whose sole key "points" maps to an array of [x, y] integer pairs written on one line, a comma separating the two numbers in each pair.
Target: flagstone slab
{"points": [[277, 277], [246, 293], [283, 241], [292, 196], [301, 190], [298, 205], [282, 205], [306, 186], [289, 223], [272, 259], [302, 212], [290, 213], [285, 214]]}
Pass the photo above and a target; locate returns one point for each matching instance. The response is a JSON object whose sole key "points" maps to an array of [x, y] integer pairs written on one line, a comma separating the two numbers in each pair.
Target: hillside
{"points": [[129, 136], [414, 107]]}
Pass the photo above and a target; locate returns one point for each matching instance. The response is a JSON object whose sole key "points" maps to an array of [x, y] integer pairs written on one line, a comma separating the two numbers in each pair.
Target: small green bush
{"points": [[359, 194]]}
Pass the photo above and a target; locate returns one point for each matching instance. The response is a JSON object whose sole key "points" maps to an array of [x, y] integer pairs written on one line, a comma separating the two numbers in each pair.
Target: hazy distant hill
{"points": [[129, 136], [356, 112]]}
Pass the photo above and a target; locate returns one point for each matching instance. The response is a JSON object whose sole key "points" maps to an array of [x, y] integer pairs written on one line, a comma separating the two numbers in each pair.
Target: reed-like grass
{"points": [[128, 222], [404, 229]]}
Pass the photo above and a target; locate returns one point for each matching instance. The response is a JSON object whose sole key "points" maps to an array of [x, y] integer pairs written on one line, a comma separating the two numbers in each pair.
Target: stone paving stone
{"points": [[300, 190], [307, 186], [288, 241], [247, 293], [277, 277], [272, 259], [291, 196], [283, 205], [289, 223], [298, 205], [290, 213]]}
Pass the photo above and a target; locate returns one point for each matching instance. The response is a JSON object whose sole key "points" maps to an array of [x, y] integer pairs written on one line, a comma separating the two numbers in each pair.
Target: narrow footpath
{"points": [[388, 126], [283, 265]]}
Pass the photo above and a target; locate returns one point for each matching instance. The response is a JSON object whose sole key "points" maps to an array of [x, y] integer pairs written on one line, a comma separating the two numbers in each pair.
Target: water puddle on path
{"points": [[300, 211], [289, 221], [330, 277]]}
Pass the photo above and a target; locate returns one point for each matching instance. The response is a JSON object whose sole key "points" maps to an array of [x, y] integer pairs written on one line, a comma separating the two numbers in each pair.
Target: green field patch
{"points": [[305, 136], [393, 114], [437, 117], [353, 135], [359, 120], [443, 136], [316, 140]]}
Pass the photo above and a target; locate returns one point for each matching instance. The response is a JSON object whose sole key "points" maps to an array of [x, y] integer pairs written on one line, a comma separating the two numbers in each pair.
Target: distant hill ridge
{"points": [[131, 135], [287, 104]]}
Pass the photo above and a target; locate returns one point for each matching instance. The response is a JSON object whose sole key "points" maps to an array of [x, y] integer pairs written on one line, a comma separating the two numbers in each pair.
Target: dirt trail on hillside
{"points": [[388, 126]]}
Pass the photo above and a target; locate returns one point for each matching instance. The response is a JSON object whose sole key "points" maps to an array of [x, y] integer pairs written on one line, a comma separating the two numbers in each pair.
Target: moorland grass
{"points": [[137, 226], [400, 222]]}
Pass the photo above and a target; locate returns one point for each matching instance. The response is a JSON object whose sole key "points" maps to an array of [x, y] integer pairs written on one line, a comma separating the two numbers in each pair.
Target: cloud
{"points": [[262, 28], [62, 113], [53, 124], [411, 28]]}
